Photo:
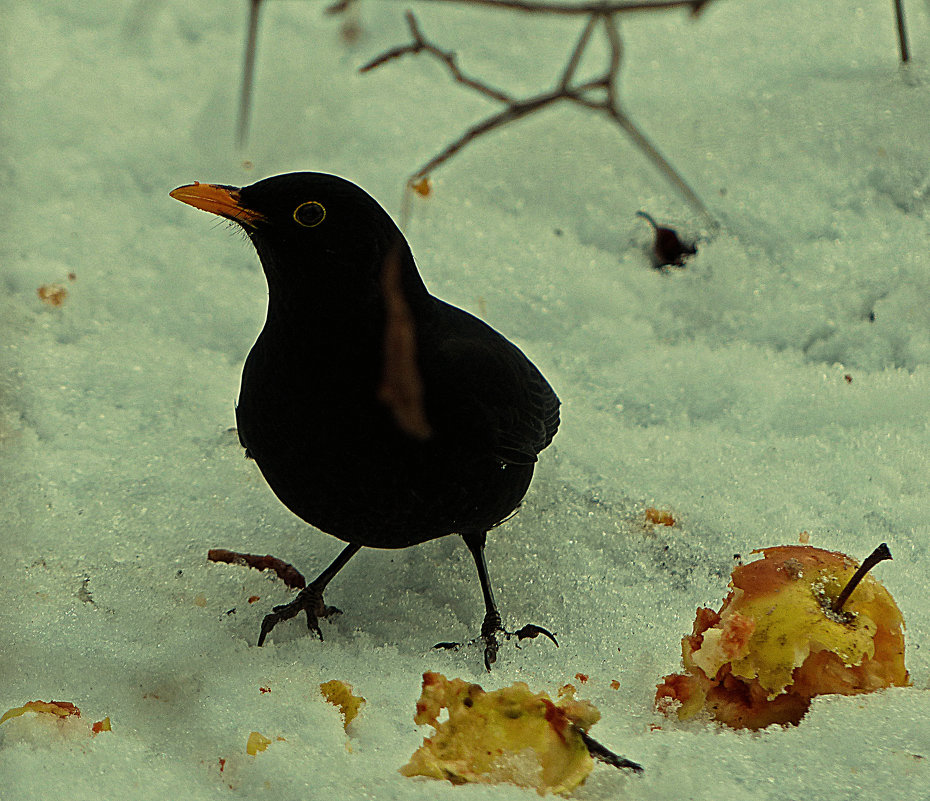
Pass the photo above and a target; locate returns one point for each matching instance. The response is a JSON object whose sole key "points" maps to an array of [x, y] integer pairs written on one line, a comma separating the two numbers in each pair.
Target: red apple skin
{"points": [[742, 702]]}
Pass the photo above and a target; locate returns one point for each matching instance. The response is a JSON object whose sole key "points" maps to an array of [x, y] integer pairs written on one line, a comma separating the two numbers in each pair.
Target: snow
{"points": [[750, 392]]}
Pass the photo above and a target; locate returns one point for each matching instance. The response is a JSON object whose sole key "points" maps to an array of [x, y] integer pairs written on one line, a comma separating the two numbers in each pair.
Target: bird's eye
{"points": [[310, 214]]}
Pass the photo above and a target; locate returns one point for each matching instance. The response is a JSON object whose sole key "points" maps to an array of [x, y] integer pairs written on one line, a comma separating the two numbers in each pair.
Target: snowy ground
{"points": [[721, 391]]}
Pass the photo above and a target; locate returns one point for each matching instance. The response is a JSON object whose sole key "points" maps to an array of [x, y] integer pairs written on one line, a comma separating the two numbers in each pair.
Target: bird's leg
{"points": [[309, 599], [492, 625], [492, 617]]}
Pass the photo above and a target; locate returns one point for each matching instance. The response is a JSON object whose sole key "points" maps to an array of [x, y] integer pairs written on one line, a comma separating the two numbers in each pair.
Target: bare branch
{"points": [[248, 71], [513, 112], [419, 45], [664, 165], [566, 9], [350, 31], [902, 31], [616, 54], [575, 57], [606, 103], [285, 571]]}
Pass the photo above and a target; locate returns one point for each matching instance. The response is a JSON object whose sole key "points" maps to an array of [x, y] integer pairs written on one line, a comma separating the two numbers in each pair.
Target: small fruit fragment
{"points": [[52, 294], [668, 250], [61, 709], [256, 742], [423, 187], [57, 719], [101, 725], [339, 693], [659, 517]]}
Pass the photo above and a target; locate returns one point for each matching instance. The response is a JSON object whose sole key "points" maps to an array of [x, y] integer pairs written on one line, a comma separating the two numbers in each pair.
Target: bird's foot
{"points": [[309, 600], [490, 631]]}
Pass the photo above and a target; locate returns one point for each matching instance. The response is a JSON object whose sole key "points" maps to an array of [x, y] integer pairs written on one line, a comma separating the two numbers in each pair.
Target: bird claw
{"points": [[491, 645], [489, 636], [531, 631], [309, 600]]}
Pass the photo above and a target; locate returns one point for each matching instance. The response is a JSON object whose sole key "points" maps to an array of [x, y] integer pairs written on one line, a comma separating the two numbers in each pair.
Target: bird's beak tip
{"points": [[217, 199], [178, 194]]}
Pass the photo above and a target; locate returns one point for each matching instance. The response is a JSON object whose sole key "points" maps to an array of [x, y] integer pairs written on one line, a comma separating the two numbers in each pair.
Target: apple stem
{"points": [[604, 754], [880, 554]]}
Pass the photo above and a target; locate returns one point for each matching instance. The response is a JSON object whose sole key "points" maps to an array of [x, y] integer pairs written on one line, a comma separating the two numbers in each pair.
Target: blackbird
{"points": [[375, 411]]}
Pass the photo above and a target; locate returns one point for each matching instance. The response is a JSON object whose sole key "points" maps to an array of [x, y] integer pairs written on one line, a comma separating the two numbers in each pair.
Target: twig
{"points": [[593, 9], [902, 32], [289, 574], [349, 32], [566, 9], [248, 71], [419, 45], [598, 94]]}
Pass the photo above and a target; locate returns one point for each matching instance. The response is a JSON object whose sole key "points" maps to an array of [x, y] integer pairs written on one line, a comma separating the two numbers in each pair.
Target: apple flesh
{"points": [[776, 641]]}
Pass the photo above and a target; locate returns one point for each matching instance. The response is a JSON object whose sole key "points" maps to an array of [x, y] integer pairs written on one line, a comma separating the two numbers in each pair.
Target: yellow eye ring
{"points": [[310, 214]]}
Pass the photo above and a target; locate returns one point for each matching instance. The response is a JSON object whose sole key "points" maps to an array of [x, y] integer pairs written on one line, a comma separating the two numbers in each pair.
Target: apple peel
{"points": [[65, 715], [61, 709], [777, 641]]}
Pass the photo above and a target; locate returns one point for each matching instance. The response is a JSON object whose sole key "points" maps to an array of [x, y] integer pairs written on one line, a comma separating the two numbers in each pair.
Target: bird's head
{"points": [[316, 234]]}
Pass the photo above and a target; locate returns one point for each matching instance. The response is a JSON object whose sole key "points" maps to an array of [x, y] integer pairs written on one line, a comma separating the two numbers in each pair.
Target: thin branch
{"points": [[616, 55], [902, 31], [565, 9], [419, 45], [248, 71], [289, 574], [604, 754], [510, 114], [592, 9], [596, 9], [663, 164], [575, 57], [607, 103]]}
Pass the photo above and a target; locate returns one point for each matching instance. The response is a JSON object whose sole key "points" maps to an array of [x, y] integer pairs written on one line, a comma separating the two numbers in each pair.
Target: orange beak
{"points": [[218, 199]]}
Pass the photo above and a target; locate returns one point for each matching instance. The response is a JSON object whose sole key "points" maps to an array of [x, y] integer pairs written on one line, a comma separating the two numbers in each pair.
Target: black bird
{"points": [[375, 411]]}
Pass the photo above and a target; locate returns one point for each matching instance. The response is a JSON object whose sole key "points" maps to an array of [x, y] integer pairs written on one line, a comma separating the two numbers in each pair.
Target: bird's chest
{"points": [[331, 452], [304, 409]]}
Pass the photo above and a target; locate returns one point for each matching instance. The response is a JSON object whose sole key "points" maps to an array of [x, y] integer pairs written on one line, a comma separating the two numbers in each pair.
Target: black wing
{"points": [[482, 390]]}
